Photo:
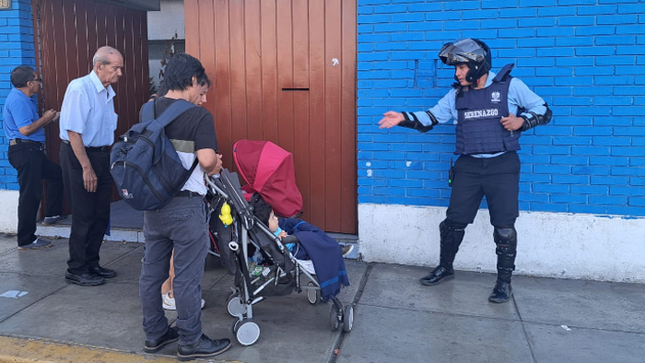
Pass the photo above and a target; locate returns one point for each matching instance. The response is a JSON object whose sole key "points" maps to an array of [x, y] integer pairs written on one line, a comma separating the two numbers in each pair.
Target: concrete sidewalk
{"points": [[396, 318]]}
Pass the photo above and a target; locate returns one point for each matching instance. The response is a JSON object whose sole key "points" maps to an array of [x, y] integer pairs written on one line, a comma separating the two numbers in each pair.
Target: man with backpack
{"points": [[87, 124], [182, 223]]}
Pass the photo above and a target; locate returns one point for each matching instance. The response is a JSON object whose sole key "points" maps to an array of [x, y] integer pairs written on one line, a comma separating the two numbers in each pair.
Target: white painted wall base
{"points": [[578, 246], [9, 211]]}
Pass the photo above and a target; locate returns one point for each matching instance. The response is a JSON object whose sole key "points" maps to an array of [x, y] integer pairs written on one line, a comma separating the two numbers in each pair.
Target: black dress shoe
{"points": [[88, 279], [205, 347], [103, 272], [153, 346], [437, 275], [501, 293]]}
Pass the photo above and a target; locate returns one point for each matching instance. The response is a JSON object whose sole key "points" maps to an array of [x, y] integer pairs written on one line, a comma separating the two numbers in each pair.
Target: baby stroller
{"points": [[280, 275], [268, 170]]}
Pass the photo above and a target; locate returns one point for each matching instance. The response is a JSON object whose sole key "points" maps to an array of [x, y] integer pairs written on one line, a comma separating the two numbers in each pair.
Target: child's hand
{"points": [[282, 234]]}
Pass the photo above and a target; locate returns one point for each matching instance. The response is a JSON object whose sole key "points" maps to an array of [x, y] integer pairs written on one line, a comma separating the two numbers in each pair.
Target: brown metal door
{"points": [[285, 71], [70, 33]]}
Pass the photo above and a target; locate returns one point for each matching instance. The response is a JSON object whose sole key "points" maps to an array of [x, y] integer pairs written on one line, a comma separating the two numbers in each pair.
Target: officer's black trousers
{"points": [[496, 178]]}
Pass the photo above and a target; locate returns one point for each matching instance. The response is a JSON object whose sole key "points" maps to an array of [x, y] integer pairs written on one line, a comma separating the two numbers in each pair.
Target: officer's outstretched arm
{"points": [[413, 121]]}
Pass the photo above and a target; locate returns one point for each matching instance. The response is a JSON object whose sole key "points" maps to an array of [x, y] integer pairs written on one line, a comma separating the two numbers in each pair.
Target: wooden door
{"points": [[285, 71]]}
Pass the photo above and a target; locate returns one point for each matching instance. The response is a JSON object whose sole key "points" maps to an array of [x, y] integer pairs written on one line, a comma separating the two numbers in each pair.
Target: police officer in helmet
{"points": [[491, 111]]}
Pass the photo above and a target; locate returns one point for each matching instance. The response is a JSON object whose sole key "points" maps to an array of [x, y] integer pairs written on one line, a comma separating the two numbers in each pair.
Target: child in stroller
{"points": [[315, 250], [281, 272]]}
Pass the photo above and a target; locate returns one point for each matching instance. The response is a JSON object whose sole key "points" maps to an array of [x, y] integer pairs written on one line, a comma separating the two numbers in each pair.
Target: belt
{"points": [[188, 194], [97, 149], [13, 142]]}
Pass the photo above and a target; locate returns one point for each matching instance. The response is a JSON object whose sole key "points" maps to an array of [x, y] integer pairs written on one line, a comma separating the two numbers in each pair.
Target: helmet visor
{"points": [[463, 51]]}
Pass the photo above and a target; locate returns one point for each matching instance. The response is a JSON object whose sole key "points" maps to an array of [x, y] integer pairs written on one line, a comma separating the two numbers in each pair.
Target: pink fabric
{"points": [[269, 170]]}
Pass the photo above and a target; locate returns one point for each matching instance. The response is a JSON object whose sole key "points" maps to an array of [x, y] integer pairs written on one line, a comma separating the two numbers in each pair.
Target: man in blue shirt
{"points": [[24, 129], [87, 124], [490, 111]]}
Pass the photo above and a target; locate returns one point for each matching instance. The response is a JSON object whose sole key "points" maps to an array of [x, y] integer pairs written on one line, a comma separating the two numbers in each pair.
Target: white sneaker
{"points": [[168, 302]]}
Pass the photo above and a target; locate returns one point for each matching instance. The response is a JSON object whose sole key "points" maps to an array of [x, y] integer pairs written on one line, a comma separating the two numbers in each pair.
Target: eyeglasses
{"points": [[36, 80]]}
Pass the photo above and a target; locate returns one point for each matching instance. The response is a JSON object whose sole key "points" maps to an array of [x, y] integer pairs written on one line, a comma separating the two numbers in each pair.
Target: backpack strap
{"points": [[175, 110], [148, 111]]}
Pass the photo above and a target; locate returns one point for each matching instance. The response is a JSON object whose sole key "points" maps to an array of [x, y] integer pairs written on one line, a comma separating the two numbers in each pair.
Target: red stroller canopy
{"points": [[268, 169]]}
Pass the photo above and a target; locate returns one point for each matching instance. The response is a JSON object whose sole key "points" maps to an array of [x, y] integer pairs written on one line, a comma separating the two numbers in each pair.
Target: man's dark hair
{"points": [[21, 75], [180, 71], [261, 209]]}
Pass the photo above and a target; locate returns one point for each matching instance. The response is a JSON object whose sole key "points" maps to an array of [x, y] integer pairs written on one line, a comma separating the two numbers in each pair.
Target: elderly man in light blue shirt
{"points": [[87, 124]]}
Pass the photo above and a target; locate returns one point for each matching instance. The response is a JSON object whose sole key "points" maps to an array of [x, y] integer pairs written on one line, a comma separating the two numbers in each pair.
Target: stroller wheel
{"points": [[334, 317], [313, 295], [235, 324], [235, 306], [348, 318], [248, 332]]}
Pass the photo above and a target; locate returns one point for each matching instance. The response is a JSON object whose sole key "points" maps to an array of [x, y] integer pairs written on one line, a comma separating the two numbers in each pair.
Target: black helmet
{"points": [[472, 52]]}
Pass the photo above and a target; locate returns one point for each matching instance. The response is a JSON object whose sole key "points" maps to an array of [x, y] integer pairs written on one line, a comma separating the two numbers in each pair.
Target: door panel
{"points": [[271, 61]]}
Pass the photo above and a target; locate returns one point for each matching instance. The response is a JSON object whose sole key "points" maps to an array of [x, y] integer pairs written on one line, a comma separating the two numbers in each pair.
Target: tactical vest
{"points": [[479, 130]]}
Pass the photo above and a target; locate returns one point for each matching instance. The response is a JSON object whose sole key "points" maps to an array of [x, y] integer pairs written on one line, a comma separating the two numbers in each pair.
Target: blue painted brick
{"points": [[443, 15], [557, 31], [610, 141], [631, 9], [620, 70], [619, 60], [628, 171], [462, 25], [575, 61], [480, 14], [519, 13], [392, 9], [616, 19], [424, 8], [370, 19], [589, 189], [634, 211], [607, 200], [589, 170], [594, 71], [389, 28], [622, 190], [630, 29], [499, 24], [461, 5], [568, 198], [537, 22], [557, 11], [577, 41], [596, 30], [597, 9]]}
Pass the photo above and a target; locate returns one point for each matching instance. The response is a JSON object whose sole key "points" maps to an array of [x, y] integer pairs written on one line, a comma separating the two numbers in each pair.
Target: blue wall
{"points": [[586, 58], [16, 48]]}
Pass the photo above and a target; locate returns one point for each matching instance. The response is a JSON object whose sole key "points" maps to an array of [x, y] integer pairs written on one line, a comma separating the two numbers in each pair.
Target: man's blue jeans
{"points": [[182, 225]]}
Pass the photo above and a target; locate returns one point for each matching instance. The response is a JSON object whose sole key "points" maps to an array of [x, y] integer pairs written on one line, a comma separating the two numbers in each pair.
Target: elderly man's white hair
{"points": [[101, 55]]}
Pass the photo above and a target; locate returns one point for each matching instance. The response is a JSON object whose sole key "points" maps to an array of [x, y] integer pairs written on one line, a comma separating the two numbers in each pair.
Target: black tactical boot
{"points": [[501, 293], [506, 240], [437, 275], [451, 236]]}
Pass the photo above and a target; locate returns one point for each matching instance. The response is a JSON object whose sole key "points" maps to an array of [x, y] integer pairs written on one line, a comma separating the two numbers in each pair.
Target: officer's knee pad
{"points": [[449, 224], [505, 236]]}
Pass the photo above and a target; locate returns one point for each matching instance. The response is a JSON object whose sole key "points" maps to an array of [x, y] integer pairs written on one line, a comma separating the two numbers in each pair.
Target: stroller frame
{"points": [[247, 291]]}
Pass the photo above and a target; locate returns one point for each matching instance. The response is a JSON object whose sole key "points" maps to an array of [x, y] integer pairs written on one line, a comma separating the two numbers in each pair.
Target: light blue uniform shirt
{"points": [[519, 95], [88, 109], [20, 111]]}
